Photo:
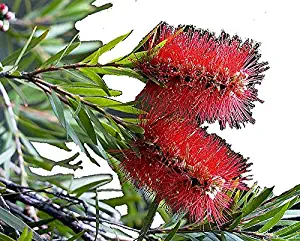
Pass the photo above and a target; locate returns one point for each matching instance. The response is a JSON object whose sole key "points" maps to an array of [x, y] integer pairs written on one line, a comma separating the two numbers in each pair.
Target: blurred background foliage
{"points": [[52, 91]]}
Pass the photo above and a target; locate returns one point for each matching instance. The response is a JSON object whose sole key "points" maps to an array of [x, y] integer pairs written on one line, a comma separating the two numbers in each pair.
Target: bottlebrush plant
{"points": [[52, 91], [210, 78]]}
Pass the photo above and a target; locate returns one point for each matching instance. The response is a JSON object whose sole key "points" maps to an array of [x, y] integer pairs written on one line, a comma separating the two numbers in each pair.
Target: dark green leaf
{"points": [[257, 201], [26, 236], [91, 186], [16, 223], [173, 231], [57, 57], [113, 104], [288, 230], [3, 237], [32, 45], [268, 214], [7, 154], [131, 59], [25, 47], [95, 78], [19, 91], [85, 121], [119, 71], [77, 236], [272, 222], [58, 108], [93, 58], [90, 91]]}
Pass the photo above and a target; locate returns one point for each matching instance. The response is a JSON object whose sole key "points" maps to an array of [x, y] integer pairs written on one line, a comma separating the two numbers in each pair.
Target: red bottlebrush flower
{"points": [[209, 78], [188, 168]]}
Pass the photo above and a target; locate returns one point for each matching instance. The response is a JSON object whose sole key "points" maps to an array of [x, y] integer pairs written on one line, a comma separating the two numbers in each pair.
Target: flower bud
{"points": [[3, 9], [5, 26], [10, 16]]}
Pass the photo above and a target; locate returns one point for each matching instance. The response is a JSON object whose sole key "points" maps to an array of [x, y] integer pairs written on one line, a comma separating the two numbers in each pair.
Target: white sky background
{"points": [[273, 142]]}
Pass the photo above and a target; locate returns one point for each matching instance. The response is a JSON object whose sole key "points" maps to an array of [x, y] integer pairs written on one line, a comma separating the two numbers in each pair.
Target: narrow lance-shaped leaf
{"points": [[7, 154], [77, 236], [57, 57], [89, 90], [96, 79], [16, 223], [25, 47], [173, 232], [93, 58], [32, 45], [288, 230], [4, 237], [271, 223], [26, 235], [58, 108], [85, 121], [252, 205], [126, 59], [268, 214]]}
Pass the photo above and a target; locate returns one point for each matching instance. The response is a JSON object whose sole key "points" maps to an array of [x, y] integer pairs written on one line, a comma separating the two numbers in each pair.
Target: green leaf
{"points": [[149, 219], [57, 57], [32, 45], [95, 78], [288, 230], [269, 214], [19, 91], [58, 108], [135, 128], [236, 222], [271, 223], [113, 104], [91, 186], [90, 91], [25, 47], [3, 237], [97, 213], [7, 154], [26, 236], [48, 164], [173, 231], [16, 223], [93, 58], [283, 197], [131, 59], [85, 121], [257, 201], [123, 60], [119, 71], [246, 238], [77, 184], [74, 137], [77, 236]]}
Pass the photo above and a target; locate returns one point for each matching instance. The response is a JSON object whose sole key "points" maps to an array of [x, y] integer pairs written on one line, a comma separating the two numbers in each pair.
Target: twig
{"points": [[47, 87], [67, 217], [68, 66]]}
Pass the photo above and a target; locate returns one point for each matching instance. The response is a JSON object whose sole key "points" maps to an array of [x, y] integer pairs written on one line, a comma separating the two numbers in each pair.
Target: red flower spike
{"points": [[209, 78], [188, 168]]}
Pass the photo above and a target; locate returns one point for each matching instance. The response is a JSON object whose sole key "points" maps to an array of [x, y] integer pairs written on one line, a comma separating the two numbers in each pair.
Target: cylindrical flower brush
{"points": [[191, 170], [206, 77]]}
